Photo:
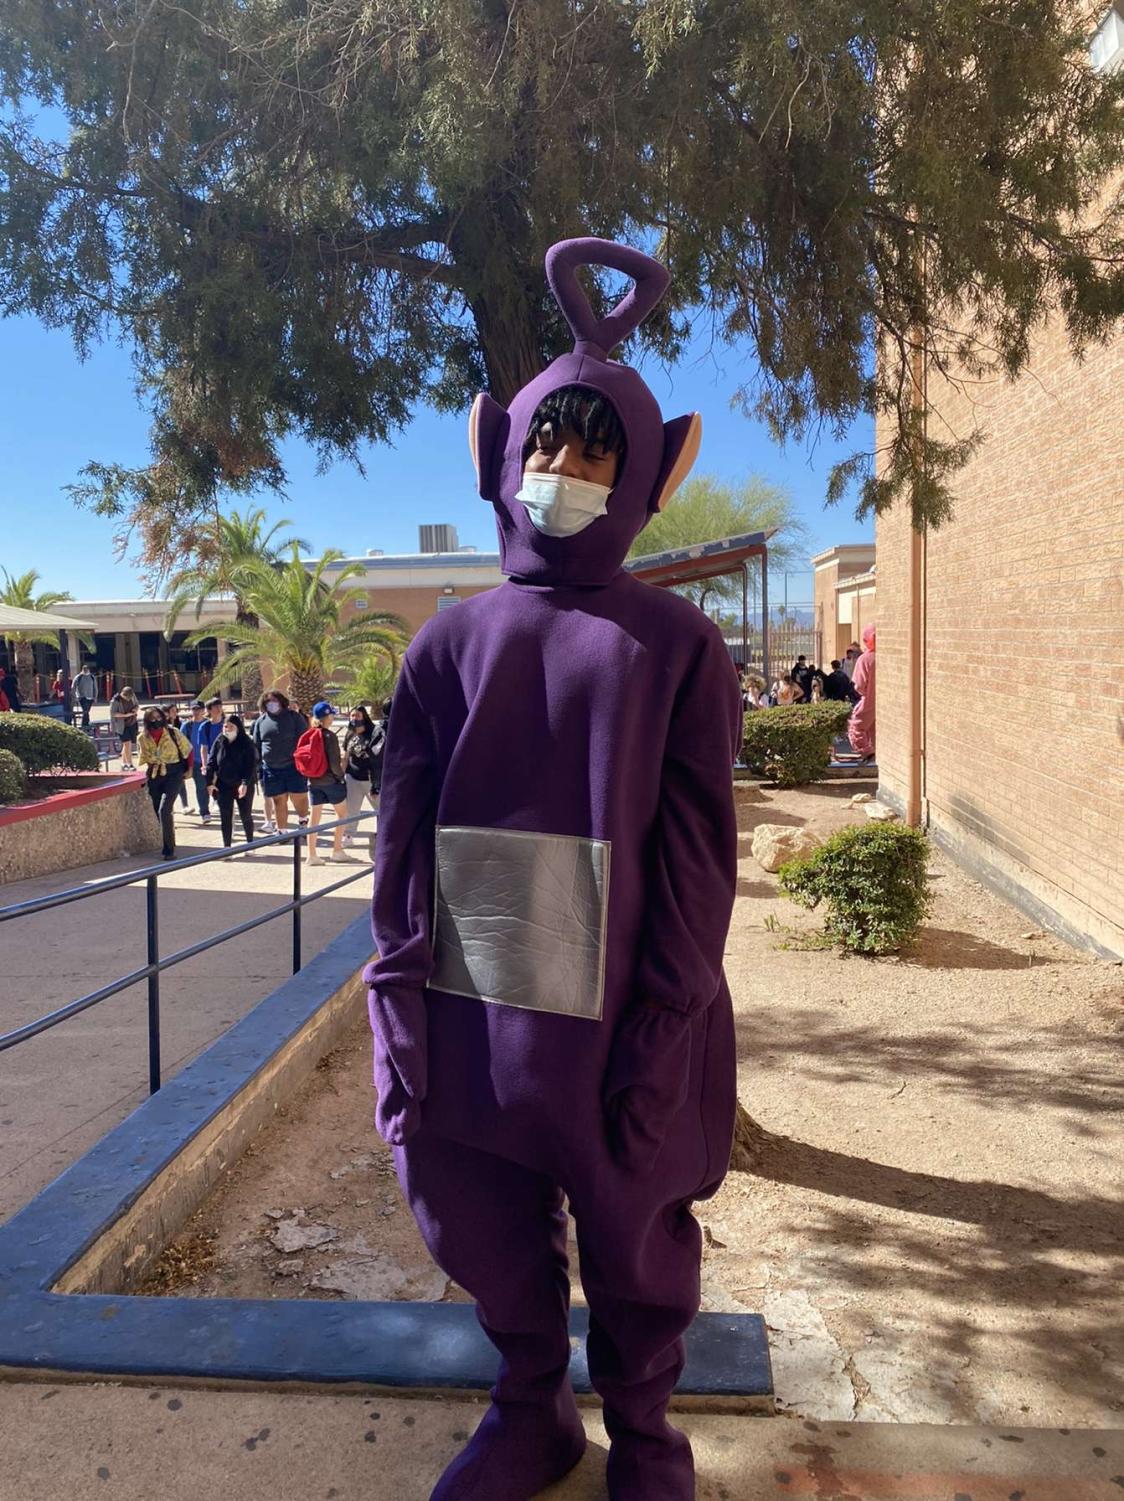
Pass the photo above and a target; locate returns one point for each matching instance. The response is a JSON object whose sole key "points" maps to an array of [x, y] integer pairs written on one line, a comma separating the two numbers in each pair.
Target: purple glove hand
{"points": [[398, 1021], [646, 1082]]}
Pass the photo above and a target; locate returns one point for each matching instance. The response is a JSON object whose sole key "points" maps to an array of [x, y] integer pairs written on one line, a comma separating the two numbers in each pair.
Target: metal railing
{"points": [[155, 966]]}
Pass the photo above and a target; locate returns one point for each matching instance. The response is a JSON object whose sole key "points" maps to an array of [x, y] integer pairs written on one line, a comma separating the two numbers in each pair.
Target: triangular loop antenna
{"points": [[594, 336]]}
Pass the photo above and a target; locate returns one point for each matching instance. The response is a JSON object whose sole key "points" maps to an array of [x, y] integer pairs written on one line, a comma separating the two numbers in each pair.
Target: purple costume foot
{"points": [[554, 881]]}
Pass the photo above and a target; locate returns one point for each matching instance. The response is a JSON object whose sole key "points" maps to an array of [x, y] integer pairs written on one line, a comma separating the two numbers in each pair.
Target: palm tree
{"points": [[19, 592], [224, 564], [372, 682], [298, 626]]}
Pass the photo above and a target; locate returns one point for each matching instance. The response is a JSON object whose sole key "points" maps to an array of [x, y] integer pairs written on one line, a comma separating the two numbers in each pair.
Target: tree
{"points": [[300, 627], [308, 219], [227, 558], [19, 592], [705, 510], [372, 682]]}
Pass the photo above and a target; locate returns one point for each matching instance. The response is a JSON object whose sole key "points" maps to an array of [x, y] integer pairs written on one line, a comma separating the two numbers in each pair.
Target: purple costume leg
{"points": [[640, 1272], [510, 1255]]}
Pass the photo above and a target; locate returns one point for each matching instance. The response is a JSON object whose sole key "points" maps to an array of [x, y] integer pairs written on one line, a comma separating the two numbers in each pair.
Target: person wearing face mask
{"points": [[276, 732], [166, 755], [232, 771], [363, 745], [555, 874]]}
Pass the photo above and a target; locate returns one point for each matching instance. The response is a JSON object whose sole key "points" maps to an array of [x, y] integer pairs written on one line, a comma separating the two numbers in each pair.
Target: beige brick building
{"points": [[844, 596], [1020, 745]]}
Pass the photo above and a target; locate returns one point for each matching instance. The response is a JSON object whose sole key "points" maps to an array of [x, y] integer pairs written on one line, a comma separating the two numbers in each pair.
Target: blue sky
{"points": [[58, 413]]}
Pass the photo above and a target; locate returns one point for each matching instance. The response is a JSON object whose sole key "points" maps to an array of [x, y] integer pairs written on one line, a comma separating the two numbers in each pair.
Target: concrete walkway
{"points": [[60, 1092], [134, 1443]]}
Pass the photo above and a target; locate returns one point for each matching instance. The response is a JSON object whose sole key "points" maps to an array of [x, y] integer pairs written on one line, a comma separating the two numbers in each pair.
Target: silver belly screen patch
{"points": [[519, 919]]}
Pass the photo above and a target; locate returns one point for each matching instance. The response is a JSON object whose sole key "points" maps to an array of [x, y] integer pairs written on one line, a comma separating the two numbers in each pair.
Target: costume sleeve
{"points": [[693, 872], [404, 874]]}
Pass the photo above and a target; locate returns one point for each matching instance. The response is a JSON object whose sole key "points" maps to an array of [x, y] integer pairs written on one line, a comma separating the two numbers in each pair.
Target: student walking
{"points": [[165, 753], [363, 746], [276, 732], [210, 733], [86, 691], [194, 731], [124, 712], [318, 757], [232, 772]]}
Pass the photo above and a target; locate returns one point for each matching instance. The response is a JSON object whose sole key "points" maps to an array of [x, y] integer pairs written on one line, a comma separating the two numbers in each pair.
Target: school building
{"points": [[130, 645], [844, 599], [1000, 695]]}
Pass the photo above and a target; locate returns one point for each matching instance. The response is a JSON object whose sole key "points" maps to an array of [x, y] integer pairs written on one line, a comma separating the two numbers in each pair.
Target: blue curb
{"points": [[407, 1345]]}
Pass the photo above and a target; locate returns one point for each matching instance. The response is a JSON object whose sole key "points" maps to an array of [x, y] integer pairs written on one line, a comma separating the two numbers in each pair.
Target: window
{"points": [[1106, 51], [445, 601], [362, 602]]}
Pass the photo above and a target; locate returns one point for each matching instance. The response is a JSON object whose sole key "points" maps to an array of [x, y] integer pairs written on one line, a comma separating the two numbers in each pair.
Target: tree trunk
{"points": [[24, 654], [306, 689], [507, 313], [751, 1141], [251, 685]]}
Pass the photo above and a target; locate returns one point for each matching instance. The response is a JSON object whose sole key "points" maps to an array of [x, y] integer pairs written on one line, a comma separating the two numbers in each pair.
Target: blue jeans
{"points": [[201, 792]]}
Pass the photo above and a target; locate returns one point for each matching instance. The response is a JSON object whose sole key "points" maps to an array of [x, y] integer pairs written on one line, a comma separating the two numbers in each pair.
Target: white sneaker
{"points": [[268, 827], [206, 818]]}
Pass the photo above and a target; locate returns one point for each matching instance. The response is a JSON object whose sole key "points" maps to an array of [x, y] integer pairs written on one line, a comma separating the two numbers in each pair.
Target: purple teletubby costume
{"points": [[554, 882]]}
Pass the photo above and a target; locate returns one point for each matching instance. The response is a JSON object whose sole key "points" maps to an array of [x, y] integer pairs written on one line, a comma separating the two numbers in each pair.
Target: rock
{"points": [[776, 843], [863, 797], [275, 1214], [880, 813], [289, 1268], [357, 1164], [367, 1278], [291, 1235]]}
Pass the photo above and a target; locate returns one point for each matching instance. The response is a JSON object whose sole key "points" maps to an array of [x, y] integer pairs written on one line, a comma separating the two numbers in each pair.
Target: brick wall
{"points": [[1024, 638], [416, 604]]}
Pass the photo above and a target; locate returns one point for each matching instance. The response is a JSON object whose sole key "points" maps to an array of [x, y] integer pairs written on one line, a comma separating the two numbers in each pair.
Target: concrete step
{"points": [[134, 1443]]}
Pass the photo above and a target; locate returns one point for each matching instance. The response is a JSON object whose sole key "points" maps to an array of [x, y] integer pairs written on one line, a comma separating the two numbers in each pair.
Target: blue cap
{"points": [[323, 707]]}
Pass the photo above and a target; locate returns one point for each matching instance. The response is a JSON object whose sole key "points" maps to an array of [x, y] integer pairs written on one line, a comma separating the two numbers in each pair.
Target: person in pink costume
{"points": [[861, 727]]}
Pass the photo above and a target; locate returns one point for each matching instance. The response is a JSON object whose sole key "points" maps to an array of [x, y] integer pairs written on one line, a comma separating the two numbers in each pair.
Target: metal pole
{"points": [[765, 617], [745, 616], [296, 908], [153, 986]]}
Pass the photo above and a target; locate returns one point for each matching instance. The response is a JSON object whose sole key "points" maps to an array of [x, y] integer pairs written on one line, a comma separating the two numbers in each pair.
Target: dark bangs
{"points": [[583, 409]]}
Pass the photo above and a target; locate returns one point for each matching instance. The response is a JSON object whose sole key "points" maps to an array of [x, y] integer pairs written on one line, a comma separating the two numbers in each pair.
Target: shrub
{"points": [[43, 744], [12, 781], [873, 881], [792, 743]]}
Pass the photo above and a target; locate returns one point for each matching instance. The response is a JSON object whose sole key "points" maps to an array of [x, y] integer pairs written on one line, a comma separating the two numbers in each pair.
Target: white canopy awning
{"points": [[13, 619]]}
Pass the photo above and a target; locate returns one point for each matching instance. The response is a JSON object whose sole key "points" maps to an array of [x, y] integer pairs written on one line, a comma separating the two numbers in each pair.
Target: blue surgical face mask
{"points": [[560, 506]]}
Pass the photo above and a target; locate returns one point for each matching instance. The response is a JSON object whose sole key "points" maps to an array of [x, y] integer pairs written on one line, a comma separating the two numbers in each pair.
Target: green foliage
{"points": [[43, 744], [308, 219], [372, 682], [12, 779], [707, 509], [295, 619], [226, 555], [873, 882], [792, 743]]}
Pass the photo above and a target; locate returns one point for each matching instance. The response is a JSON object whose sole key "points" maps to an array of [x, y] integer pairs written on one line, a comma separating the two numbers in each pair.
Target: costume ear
{"points": [[681, 439], [488, 425]]}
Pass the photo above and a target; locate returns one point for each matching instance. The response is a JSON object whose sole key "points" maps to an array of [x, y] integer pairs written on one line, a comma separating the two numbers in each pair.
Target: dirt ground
{"points": [[933, 1224]]}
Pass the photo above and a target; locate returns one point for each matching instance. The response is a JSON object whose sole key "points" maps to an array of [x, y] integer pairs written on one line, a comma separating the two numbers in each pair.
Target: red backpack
{"points": [[310, 758]]}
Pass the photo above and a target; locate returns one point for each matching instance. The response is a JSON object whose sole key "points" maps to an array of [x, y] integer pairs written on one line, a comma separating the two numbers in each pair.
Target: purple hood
{"points": [[659, 454]]}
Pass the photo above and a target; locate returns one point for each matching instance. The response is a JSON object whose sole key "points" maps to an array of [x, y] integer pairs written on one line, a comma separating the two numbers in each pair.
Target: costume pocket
{"points": [[520, 919]]}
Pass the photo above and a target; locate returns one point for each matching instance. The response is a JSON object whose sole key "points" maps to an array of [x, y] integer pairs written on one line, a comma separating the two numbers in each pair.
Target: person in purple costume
{"points": [[554, 881]]}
